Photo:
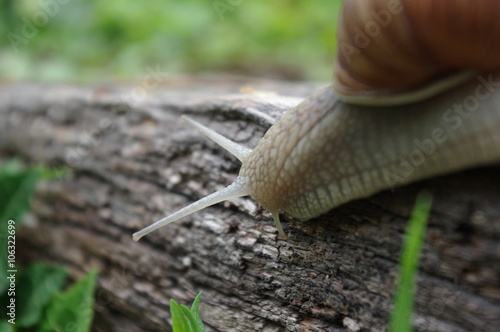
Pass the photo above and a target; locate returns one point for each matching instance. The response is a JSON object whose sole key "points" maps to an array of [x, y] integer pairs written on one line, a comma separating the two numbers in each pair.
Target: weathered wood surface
{"points": [[132, 162]]}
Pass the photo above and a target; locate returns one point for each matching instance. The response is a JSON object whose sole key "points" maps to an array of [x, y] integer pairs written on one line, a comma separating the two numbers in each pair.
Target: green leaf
{"points": [[16, 189], [185, 319], [179, 323], [36, 287], [191, 320], [408, 266], [72, 310], [196, 313]]}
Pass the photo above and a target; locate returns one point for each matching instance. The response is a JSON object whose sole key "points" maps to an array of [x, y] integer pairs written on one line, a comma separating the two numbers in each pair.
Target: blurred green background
{"points": [[114, 40]]}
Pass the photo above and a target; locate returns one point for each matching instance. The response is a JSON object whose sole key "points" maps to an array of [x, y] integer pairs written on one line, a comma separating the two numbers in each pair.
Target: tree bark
{"points": [[131, 162]]}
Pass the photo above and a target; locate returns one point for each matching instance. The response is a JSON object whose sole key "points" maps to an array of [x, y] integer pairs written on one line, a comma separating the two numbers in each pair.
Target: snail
{"points": [[416, 93]]}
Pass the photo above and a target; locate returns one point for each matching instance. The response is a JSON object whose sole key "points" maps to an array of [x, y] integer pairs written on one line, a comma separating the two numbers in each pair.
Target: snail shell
{"points": [[326, 152], [396, 52]]}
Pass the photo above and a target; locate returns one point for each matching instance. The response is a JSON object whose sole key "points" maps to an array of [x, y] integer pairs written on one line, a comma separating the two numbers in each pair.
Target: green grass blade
{"points": [[196, 312], [179, 323], [196, 304], [185, 319], [191, 320], [408, 266]]}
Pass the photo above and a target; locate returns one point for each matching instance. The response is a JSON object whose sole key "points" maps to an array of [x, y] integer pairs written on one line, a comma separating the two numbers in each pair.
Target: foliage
{"points": [[16, 188], [108, 40], [36, 286], [185, 319], [73, 309], [39, 302], [408, 265]]}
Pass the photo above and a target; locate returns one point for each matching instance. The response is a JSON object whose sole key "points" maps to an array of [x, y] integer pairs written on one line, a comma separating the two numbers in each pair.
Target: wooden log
{"points": [[132, 162]]}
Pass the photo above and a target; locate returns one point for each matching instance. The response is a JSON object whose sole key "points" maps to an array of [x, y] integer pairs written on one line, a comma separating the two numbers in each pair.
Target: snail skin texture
{"points": [[326, 152]]}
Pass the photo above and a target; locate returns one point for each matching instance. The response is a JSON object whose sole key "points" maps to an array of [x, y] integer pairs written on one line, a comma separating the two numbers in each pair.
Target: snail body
{"points": [[326, 152]]}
